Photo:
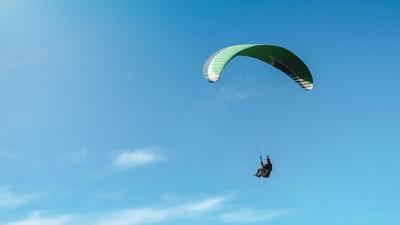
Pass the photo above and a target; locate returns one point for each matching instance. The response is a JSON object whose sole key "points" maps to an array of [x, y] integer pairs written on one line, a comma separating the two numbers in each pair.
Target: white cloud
{"points": [[208, 209], [133, 216], [251, 215], [37, 219], [202, 206], [150, 215], [138, 157], [9, 199]]}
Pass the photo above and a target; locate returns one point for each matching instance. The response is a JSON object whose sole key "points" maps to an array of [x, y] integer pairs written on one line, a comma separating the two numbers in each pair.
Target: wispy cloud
{"points": [[233, 95], [9, 199], [150, 215], [19, 59], [251, 216], [133, 216], [36, 218], [111, 195], [11, 156], [139, 157], [76, 157], [6, 154], [212, 208]]}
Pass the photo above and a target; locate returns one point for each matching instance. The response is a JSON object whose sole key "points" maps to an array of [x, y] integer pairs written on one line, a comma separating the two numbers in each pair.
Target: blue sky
{"points": [[106, 117]]}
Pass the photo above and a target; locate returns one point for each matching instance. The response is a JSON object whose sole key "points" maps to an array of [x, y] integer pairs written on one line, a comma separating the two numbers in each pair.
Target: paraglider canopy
{"points": [[276, 56]]}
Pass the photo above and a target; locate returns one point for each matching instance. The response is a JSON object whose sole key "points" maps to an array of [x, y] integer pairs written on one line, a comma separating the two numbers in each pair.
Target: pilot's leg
{"points": [[258, 174]]}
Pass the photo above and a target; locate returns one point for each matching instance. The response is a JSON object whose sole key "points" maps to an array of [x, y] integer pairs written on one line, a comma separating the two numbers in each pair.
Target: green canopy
{"points": [[278, 57]]}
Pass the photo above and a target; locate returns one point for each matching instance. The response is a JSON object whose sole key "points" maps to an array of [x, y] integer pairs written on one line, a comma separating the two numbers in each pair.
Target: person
{"points": [[265, 169]]}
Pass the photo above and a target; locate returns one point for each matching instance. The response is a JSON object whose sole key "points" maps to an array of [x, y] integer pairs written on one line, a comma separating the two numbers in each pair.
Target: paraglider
{"points": [[278, 57], [265, 169]]}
